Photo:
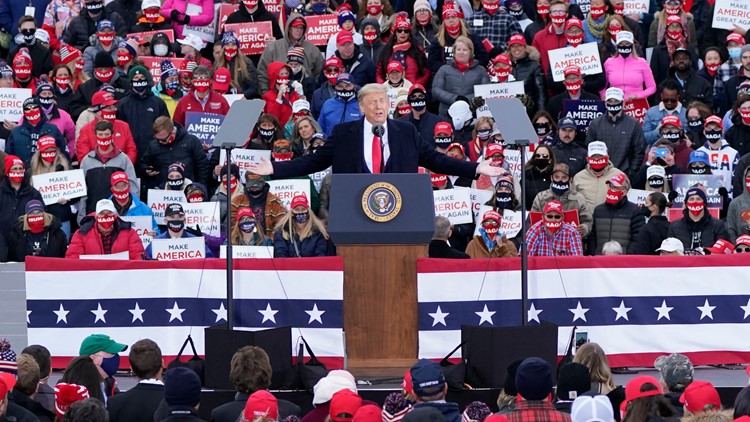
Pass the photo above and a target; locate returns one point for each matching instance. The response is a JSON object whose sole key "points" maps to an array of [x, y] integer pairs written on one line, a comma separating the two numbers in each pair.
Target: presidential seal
{"points": [[381, 202]]}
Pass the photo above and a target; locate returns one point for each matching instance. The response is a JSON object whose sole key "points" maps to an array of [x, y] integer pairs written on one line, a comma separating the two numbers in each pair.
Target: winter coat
{"points": [[450, 83], [412, 70], [128, 9], [572, 154], [82, 27], [63, 100], [249, 85], [89, 54], [336, 111], [320, 96], [88, 241], [639, 180], [695, 88], [651, 235], [624, 139], [204, 17], [216, 104], [536, 181], [13, 204], [64, 123], [12, 11], [654, 28], [478, 249], [593, 188], [438, 55], [372, 51], [41, 58], [661, 61], [530, 72], [121, 134], [98, 175], [52, 242], [701, 234], [630, 75], [621, 222], [281, 110], [425, 125], [261, 14], [137, 209], [277, 51], [449, 410], [315, 245], [141, 111], [738, 216], [738, 137], [22, 140], [273, 210], [361, 68], [546, 40], [570, 200], [82, 98], [186, 149], [144, 25]]}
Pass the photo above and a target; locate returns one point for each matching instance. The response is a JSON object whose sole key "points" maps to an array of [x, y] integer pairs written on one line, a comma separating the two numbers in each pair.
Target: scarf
{"points": [[402, 47], [672, 46], [487, 242], [106, 156], [477, 144], [596, 29], [462, 67]]}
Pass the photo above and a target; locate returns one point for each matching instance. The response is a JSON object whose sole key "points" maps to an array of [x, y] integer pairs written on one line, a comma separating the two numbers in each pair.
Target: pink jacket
{"points": [[630, 75], [66, 126], [206, 16]]}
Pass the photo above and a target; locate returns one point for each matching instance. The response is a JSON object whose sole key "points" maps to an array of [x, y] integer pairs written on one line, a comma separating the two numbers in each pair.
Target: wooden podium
{"points": [[380, 265]]}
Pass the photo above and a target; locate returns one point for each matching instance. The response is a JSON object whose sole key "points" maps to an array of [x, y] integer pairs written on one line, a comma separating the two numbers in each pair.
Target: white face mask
{"points": [[161, 50]]}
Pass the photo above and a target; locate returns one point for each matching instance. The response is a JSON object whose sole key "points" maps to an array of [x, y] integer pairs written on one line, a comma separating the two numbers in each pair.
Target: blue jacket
{"points": [[653, 121], [449, 410], [138, 208], [336, 111], [185, 234], [320, 96], [362, 70], [11, 12], [22, 139], [314, 245]]}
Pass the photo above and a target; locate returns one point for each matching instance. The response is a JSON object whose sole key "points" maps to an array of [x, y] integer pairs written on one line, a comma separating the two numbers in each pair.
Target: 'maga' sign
{"points": [[585, 56]]}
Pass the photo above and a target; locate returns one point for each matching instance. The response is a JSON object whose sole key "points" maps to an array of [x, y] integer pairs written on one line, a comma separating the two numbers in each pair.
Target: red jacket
{"points": [[283, 110], [413, 73], [123, 140], [546, 40], [215, 104], [88, 241]]}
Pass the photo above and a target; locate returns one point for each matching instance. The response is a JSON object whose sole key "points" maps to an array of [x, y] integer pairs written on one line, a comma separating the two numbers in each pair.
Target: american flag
{"points": [[636, 307], [68, 300]]}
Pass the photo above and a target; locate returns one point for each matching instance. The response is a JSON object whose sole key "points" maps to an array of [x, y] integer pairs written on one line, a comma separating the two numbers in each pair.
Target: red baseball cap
{"points": [[46, 142], [553, 206], [674, 19], [444, 127], [333, 61], [117, 177], [572, 70], [714, 119], [721, 247], [633, 389], [245, 212], [492, 149], [261, 404], [7, 382], [344, 37], [502, 58], [344, 401], [417, 87], [743, 240], [406, 383], [369, 412], [456, 145], [517, 39], [298, 21], [739, 39], [395, 66], [700, 394], [573, 22], [491, 215], [103, 98], [299, 200], [222, 79], [617, 180], [671, 119]]}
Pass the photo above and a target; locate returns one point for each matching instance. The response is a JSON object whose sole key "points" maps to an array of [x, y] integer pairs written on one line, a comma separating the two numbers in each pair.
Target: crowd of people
{"points": [[95, 106], [579, 391]]}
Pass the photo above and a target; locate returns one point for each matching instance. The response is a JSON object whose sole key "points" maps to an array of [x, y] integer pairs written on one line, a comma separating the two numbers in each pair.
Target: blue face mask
{"points": [[247, 226], [300, 218], [173, 85], [319, 8], [110, 365], [735, 53]]}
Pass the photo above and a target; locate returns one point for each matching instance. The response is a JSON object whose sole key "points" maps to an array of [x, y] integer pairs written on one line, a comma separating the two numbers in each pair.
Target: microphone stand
{"points": [[523, 143], [228, 147]]}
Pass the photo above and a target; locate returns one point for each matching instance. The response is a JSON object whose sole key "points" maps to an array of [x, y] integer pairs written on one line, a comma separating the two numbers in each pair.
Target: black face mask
{"points": [[713, 135], [700, 170], [176, 184], [624, 51], [656, 183], [28, 36], [140, 87], [176, 225], [345, 94], [503, 199], [614, 110], [95, 7], [695, 125], [516, 13], [542, 129], [541, 162], [443, 142], [559, 188], [46, 102], [673, 137], [418, 105], [266, 134]]}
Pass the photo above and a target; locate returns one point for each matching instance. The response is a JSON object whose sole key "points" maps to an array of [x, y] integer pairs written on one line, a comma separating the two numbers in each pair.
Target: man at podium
{"points": [[374, 144]]}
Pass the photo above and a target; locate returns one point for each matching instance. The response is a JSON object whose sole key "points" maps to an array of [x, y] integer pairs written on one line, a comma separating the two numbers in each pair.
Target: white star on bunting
{"points": [[175, 313], [622, 311], [579, 312], [486, 315], [268, 314], [438, 317], [315, 314], [99, 313], [137, 313]]}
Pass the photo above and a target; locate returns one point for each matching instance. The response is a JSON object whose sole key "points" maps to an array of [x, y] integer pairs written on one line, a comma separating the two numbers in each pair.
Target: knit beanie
{"points": [[140, 70], [697, 190], [182, 387], [103, 59], [534, 379]]}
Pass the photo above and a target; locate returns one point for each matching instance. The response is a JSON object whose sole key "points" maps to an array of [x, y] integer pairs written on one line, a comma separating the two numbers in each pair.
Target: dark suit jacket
{"points": [[344, 150], [441, 249], [137, 404], [229, 412]]}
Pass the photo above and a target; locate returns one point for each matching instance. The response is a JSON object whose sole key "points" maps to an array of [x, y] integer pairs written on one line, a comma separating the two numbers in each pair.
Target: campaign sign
{"points": [[318, 177], [247, 251], [636, 6], [322, 27], [153, 64], [638, 196], [147, 35], [479, 197], [251, 35], [585, 56], [728, 13], [499, 90], [142, 225], [571, 217], [583, 111], [204, 215], [205, 33], [179, 248], [711, 182], [224, 11], [510, 224], [11, 103], [242, 158], [453, 204], [585, 6], [119, 256], [289, 188], [204, 126], [513, 161], [637, 109], [69, 184], [159, 199]]}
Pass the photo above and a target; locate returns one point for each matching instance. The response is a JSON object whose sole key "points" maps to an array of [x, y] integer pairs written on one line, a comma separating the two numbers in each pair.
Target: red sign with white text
{"points": [[322, 27], [252, 35], [153, 64], [224, 11], [149, 34], [637, 108]]}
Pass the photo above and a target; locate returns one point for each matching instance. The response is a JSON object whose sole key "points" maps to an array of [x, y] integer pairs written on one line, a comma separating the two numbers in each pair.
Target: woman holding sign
{"points": [[300, 233], [36, 233], [242, 69], [245, 232], [48, 159], [15, 193]]}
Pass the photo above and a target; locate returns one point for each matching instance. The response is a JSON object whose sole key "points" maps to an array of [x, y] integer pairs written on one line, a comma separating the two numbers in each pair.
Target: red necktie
{"points": [[377, 157]]}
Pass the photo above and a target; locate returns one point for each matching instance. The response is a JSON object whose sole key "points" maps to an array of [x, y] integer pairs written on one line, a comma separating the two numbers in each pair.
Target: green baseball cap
{"points": [[100, 343]]}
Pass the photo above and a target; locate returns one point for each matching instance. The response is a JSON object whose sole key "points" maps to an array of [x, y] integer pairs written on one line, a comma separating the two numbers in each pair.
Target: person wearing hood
{"points": [[40, 55], [104, 73], [105, 40], [45, 96], [171, 143], [277, 51], [283, 94], [168, 88], [697, 229], [22, 70], [347, 22], [22, 139], [104, 233], [401, 48], [36, 233], [15, 193], [327, 81], [268, 208], [161, 46], [341, 108], [188, 12], [617, 218], [105, 106], [255, 11], [459, 77], [140, 108], [127, 204], [371, 45], [200, 98], [426, 123], [220, 195], [242, 69], [82, 27], [150, 18]]}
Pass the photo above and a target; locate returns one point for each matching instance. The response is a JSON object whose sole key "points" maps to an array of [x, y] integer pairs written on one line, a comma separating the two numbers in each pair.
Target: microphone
{"points": [[378, 130]]}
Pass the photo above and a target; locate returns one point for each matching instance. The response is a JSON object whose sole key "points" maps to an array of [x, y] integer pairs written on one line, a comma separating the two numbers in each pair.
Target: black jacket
{"points": [[592, 84], [660, 61], [572, 154], [738, 180], [638, 181], [651, 235], [141, 112], [186, 149], [531, 73], [32, 406], [41, 58], [128, 9], [621, 222], [260, 15], [13, 204], [137, 404], [425, 125], [16, 413], [696, 88], [228, 412], [82, 98], [52, 242], [83, 26], [703, 233], [441, 249], [182, 413], [536, 181], [63, 100], [738, 137]]}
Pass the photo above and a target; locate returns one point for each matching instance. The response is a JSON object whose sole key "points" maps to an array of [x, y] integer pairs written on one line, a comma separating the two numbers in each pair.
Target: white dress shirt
{"points": [[368, 138]]}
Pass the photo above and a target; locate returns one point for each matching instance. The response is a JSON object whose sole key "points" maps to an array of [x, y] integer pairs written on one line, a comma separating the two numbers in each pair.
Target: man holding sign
{"points": [[552, 236], [104, 233], [174, 217]]}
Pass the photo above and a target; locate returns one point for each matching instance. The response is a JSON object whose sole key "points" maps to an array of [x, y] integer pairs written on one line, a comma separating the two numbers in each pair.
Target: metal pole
{"points": [[228, 227], [524, 250]]}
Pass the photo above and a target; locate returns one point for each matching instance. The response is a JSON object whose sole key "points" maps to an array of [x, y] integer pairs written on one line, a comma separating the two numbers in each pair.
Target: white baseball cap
{"points": [[597, 148], [192, 40], [300, 105], [592, 409], [105, 205], [671, 244], [656, 171], [614, 93], [150, 4], [42, 35], [624, 36]]}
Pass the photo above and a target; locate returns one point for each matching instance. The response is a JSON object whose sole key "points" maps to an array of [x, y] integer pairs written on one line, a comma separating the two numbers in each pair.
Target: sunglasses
{"points": [[402, 31], [669, 100], [31, 107], [740, 249], [553, 216], [331, 69]]}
